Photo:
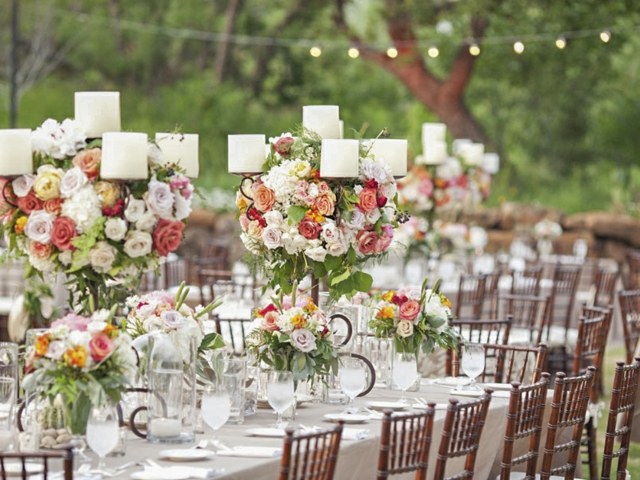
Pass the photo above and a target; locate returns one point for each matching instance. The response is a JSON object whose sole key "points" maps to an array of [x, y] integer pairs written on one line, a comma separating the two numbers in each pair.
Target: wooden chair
{"points": [[530, 316], [527, 281], [524, 420], [461, 433], [568, 410], [404, 443], [311, 455], [629, 301], [26, 464], [510, 363], [563, 295], [604, 284], [470, 298], [633, 273], [621, 410], [492, 282]]}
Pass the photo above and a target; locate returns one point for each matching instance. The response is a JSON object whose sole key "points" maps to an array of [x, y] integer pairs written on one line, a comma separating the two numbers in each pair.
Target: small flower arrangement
{"points": [[161, 312], [86, 360], [300, 223], [414, 319], [547, 230], [293, 335], [65, 218]]}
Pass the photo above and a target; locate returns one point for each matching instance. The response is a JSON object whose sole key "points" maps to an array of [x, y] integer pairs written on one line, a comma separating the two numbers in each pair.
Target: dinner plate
{"points": [[382, 405], [346, 417], [14, 469], [186, 454], [266, 432]]}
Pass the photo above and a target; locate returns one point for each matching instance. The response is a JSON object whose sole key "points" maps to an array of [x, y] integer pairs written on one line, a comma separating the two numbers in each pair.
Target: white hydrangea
{"points": [[83, 208]]}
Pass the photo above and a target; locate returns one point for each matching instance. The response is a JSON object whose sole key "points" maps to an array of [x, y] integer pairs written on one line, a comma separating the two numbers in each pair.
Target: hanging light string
{"points": [[317, 46]]}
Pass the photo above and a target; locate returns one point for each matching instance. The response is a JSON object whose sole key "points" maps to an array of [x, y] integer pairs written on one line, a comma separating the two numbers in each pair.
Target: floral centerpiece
{"points": [[299, 223], [161, 312], [414, 318], [100, 233], [86, 360], [545, 232], [293, 335]]}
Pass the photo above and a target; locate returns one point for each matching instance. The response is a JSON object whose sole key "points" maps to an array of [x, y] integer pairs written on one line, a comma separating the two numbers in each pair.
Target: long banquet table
{"points": [[357, 458]]}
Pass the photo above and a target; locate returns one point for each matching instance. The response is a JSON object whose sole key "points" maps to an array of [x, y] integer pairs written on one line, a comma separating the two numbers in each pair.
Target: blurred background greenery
{"points": [[564, 120]]}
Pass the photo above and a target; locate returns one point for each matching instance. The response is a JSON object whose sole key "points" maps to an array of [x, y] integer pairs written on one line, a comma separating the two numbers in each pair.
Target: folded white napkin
{"points": [[251, 451]]}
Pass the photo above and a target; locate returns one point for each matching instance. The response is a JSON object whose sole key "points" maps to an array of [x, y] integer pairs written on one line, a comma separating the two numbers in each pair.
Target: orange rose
{"points": [[42, 345], [89, 162], [53, 206], [40, 250], [324, 204], [368, 200], [263, 198]]}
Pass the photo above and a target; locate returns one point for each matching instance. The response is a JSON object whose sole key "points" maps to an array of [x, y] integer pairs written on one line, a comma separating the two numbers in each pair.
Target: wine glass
{"points": [[103, 432], [353, 380], [280, 393], [472, 363], [405, 372], [215, 407]]}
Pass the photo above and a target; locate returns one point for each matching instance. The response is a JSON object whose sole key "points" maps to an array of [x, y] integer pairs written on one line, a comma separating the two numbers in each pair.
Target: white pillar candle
{"points": [[15, 152], [247, 153], [180, 148], [433, 132], [491, 163], [458, 144], [341, 128], [322, 119], [165, 427], [393, 151], [124, 156], [434, 152], [339, 158], [98, 112], [472, 153]]}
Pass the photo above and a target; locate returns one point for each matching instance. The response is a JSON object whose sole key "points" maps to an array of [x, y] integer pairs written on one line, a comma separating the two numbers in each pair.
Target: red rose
{"points": [[371, 183], [368, 200], [283, 145], [100, 347], [29, 203], [63, 233], [167, 236], [114, 211], [367, 240], [269, 308], [254, 214], [382, 201], [309, 229]]}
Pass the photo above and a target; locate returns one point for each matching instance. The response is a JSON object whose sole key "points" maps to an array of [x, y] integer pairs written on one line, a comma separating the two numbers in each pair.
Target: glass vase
{"points": [[404, 363]]}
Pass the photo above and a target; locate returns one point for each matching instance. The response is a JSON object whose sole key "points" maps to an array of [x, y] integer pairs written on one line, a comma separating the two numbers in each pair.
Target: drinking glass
{"points": [[280, 393], [103, 432], [404, 372], [353, 380], [472, 363], [215, 407], [7, 431]]}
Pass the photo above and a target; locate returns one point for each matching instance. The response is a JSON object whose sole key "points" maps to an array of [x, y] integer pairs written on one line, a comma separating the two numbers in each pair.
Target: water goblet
{"points": [[215, 408], [472, 363], [405, 372], [353, 380], [103, 432], [280, 394]]}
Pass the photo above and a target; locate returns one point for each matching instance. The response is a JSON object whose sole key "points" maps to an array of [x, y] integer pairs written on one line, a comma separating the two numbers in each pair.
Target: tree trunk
{"points": [[223, 53]]}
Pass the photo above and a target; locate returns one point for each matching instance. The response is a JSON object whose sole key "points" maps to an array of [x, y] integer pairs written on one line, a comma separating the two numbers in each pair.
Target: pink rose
{"points": [[324, 204], [385, 239], [73, 321], [29, 203], [63, 233], [167, 236], [263, 197], [100, 347], [323, 187], [409, 310], [89, 162], [270, 321], [368, 200], [309, 229], [283, 145], [367, 240]]}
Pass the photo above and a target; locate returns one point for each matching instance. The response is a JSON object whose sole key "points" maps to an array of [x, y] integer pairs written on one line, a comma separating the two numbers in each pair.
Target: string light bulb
{"points": [[392, 52], [433, 52], [353, 52], [315, 51], [518, 47], [474, 49], [561, 42], [605, 36]]}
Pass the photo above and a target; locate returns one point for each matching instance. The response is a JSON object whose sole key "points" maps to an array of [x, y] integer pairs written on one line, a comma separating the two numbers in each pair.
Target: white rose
{"points": [[102, 257], [183, 207], [135, 209], [303, 340], [357, 219], [160, 198], [72, 181], [336, 249], [274, 218], [55, 350], [138, 244], [330, 232], [146, 222], [271, 237], [39, 226], [404, 328], [23, 184], [373, 216], [317, 253], [115, 229]]}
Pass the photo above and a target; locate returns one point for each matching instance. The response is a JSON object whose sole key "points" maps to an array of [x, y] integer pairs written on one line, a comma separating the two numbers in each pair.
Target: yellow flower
{"points": [[42, 345], [47, 183], [385, 312], [298, 321], [315, 216], [310, 307], [388, 295], [111, 331], [76, 357], [108, 193], [445, 301], [20, 224]]}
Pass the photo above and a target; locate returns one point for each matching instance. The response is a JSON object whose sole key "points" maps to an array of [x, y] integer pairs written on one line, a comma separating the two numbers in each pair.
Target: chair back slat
{"points": [[604, 284], [38, 458], [629, 301], [524, 420], [463, 425], [633, 273], [311, 455], [563, 294], [470, 297], [620, 420], [527, 281], [530, 313]]}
